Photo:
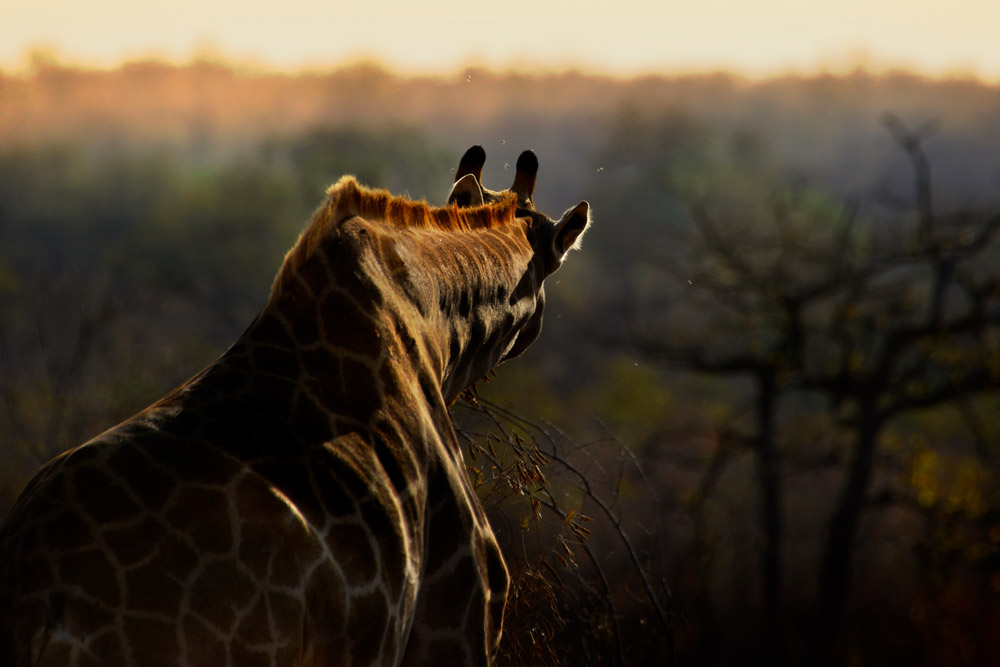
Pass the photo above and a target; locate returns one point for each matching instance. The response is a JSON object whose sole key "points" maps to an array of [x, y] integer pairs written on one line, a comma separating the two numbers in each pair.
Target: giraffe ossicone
{"points": [[303, 500]]}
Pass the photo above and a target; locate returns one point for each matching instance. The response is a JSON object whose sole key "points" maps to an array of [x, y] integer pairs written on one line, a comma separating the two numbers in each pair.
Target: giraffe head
{"points": [[550, 240], [459, 288]]}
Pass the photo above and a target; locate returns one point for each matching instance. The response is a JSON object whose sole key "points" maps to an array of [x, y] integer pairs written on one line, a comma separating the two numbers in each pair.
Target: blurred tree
{"points": [[782, 285], [917, 328], [743, 281], [396, 158]]}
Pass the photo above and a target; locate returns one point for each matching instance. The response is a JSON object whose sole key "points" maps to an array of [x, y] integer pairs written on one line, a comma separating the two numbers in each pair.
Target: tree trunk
{"points": [[836, 570], [769, 481]]}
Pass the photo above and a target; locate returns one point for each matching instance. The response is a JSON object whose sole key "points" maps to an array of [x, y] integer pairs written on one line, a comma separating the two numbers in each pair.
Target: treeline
{"points": [[823, 127], [769, 377]]}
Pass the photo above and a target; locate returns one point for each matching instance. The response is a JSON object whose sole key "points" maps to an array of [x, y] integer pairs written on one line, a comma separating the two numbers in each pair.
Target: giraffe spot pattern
{"points": [[202, 514], [276, 361], [202, 642], [220, 591], [367, 627], [152, 640], [92, 574], [152, 588], [302, 500], [131, 543], [109, 648], [354, 552]]}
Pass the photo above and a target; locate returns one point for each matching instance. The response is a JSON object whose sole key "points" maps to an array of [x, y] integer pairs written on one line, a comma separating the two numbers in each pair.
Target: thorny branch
{"points": [[542, 496]]}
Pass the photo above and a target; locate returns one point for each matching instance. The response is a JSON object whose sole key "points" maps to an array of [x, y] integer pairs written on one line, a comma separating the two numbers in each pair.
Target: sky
{"points": [[625, 37]]}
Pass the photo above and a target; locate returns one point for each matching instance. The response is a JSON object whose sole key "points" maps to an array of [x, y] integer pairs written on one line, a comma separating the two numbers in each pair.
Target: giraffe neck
{"points": [[378, 320]]}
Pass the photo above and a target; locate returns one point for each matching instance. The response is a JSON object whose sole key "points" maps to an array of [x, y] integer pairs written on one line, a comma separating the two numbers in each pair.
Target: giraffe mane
{"points": [[348, 199]]}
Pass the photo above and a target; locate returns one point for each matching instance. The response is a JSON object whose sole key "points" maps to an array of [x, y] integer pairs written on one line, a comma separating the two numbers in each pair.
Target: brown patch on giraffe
{"points": [[192, 462], [155, 586], [392, 553], [92, 573], [346, 327], [340, 480], [23, 635], [221, 591], [293, 559], [326, 604], [130, 544], [286, 613], [266, 515], [232, 380], [38, 569], [203, 643], [100, 498], [236, 439], [430, 389], [254, 629], [80, 616], [360, 390], [353, 550], [128, 462], [451, 591], [369, 616], [66, 531], [245, 656], [87, 659], [336, 501], [321, 363], [391, 260], [391, 455], [345, 250], [271, 431], [276, 361], [304, 329], [108, 648], [149, 638], [476, 619], [448, 652], [389, 376], [314, 274], [56, 653], [309, 422], [203, 515], [257, 547], [269, 329], [152, 589]]}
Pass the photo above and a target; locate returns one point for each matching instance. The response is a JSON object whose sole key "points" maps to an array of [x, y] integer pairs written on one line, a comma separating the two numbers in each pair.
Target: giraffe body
{"points": [[302, 501]]}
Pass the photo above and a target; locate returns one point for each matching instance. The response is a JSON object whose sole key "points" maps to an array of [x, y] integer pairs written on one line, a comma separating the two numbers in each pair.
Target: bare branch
{"points": [[912, 144]]}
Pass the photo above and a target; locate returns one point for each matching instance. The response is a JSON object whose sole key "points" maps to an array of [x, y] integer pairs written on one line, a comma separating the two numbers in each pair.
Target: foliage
{"points": [[546, 497], [781, 285]]}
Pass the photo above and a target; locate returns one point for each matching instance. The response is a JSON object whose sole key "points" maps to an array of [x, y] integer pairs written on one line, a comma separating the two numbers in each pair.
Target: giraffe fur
{"points": [[303, 500]]}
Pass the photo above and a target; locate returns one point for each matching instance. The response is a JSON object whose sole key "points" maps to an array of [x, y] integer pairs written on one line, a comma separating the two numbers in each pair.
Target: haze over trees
{"points": [[761, 424]]}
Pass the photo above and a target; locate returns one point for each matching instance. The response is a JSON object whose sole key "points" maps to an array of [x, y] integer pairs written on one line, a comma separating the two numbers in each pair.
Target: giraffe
{"points": [[303, 500]]}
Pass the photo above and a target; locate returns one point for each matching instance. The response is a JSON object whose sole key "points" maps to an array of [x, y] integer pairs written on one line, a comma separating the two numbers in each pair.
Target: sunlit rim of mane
{"points": [[348, 199]]}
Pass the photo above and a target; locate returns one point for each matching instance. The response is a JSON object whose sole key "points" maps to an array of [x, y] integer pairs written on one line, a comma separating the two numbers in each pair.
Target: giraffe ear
{"points": [[524, 177], [466, 192], [471, 163], [569, 230]]}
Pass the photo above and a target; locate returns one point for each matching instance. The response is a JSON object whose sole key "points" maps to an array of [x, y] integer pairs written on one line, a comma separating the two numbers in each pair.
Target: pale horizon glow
{"points": [[625, 37]]}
